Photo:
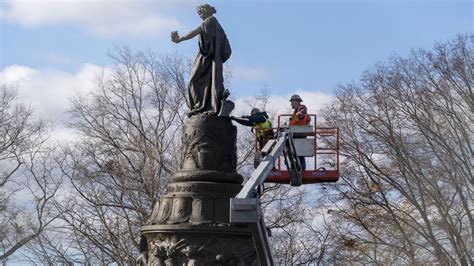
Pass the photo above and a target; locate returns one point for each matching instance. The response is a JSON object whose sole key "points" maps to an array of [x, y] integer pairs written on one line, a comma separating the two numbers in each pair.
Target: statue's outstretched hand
{"points": [[175, 37]]}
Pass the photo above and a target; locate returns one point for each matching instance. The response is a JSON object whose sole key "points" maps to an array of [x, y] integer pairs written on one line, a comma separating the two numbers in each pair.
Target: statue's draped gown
{"points": [[206, 84]]}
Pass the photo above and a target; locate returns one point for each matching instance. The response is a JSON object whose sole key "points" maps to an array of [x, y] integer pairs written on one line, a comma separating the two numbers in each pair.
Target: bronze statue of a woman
{"points": [[206, 85]]}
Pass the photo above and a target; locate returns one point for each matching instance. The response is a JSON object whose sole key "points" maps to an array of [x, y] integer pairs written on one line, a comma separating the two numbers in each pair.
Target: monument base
{"points": [[190, 226], [203, 245], [190, 223]]}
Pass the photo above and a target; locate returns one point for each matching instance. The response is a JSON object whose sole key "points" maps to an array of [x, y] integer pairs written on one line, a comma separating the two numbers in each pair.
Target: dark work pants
{"points": [[302, 162]]}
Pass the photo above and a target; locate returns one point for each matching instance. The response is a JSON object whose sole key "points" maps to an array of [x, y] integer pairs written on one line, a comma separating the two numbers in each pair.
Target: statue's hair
{"points": [[207, 8]]}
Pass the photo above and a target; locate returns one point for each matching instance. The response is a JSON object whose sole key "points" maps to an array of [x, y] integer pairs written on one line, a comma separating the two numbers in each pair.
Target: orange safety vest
{"points": [[295, 120]]}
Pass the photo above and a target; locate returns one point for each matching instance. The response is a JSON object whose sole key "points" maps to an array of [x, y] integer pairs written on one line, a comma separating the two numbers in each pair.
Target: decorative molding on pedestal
{"points": [[190, 223]]}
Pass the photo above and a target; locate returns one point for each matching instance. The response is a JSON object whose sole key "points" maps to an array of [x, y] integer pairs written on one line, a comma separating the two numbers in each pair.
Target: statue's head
{"points": [[205, 11], [190, 251]]}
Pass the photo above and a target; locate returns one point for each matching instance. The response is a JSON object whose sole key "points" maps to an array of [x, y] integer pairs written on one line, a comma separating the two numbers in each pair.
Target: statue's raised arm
{"points": [[176, 39], [206, 84]]}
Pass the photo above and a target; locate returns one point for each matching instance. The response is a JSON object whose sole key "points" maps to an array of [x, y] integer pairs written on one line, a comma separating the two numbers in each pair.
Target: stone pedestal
{"points": [[190, 224]]}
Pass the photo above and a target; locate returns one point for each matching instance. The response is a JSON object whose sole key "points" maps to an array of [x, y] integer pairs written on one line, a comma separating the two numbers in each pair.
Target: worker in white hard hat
{"points": [[300, 114], [299, 117]]}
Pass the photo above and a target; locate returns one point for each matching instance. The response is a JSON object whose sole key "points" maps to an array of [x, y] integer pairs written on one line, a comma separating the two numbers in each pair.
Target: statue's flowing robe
{"points": [[206, 84]]}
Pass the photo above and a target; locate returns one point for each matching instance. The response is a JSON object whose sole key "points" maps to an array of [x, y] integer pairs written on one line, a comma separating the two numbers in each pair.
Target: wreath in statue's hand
{"points": [[175, 36]]}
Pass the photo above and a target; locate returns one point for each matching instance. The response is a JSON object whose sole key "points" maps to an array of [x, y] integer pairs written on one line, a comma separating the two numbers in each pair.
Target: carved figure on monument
{"points": [[159, 256], [206, 85], [192, 252], [220, 260], [209, 144], [172, 250], [143, 247]]}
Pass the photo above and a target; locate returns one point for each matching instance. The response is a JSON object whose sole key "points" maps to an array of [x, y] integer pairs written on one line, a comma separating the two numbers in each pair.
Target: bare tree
{"points": [[406, 137], [294, 216], [296, 220], [129, 129], [27, 182], [246, 141]]}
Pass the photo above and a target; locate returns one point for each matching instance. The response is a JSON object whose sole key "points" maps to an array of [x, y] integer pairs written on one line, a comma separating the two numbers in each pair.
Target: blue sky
{"points": [[51, 50], [305, 46]]}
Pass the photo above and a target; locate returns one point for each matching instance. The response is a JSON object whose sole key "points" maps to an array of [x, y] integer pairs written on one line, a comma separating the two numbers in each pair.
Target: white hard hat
{"points": [[296, 97]]}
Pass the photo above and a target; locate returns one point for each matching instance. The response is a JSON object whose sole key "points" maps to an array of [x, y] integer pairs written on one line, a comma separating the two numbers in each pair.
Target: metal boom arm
{"points": [[245, 207]]}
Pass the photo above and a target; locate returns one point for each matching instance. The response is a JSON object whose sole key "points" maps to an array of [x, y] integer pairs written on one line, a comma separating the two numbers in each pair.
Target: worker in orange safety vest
{"points": [[300, 114], [299, 117]]}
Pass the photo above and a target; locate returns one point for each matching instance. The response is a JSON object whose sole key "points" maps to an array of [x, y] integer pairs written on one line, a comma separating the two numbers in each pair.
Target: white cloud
{"points": [[279, 104], [15, 74], [104, 18], [49, 91]]}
